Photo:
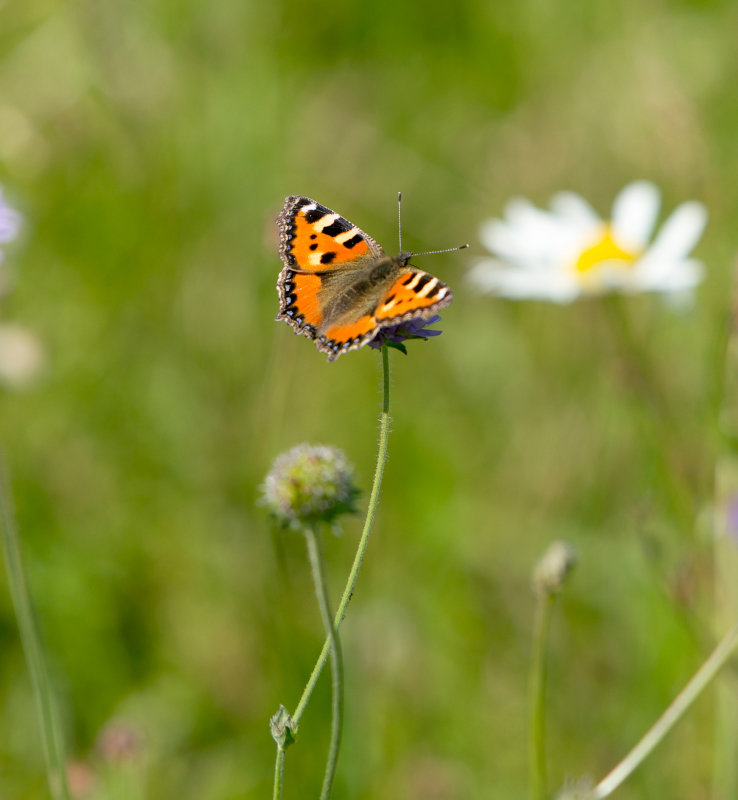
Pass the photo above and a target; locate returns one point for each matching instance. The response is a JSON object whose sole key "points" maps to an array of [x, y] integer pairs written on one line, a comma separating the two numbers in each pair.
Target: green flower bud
{"points": [[283, 728], [309, 484]]}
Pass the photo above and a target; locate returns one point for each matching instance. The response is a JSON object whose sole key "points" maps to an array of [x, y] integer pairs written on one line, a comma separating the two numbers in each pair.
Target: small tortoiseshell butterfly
{"points": [[338, 286]]}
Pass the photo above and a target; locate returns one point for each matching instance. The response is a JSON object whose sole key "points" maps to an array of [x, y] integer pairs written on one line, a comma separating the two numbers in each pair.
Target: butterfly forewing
{"points": [[314, 238]]}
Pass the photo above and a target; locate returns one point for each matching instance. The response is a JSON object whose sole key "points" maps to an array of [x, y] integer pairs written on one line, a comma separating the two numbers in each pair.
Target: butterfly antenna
{"points": [[447, 250], [399, 219]]}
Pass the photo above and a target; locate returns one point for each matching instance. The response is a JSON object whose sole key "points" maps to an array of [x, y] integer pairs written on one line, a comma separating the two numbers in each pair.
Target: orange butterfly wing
{"points": [[312, 240], [414, 294]]}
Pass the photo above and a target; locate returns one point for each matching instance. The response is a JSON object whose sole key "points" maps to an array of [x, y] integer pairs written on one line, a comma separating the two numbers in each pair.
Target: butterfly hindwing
{"points": [[414, 294]]}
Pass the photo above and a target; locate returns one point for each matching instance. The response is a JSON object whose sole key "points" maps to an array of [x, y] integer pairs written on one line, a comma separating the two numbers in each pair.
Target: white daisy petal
{"points": [[679, 276], [634, 214], [495, 278], [575, 209], [523, 213], [678, 235], [503, 240], [532, 241]]}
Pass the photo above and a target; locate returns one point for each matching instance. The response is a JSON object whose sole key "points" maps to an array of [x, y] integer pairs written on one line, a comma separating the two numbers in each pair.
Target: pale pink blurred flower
{"points": [[21, 356]]}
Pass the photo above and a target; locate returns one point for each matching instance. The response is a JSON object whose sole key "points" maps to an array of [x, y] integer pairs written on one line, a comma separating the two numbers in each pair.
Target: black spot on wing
{"points": [[353, 241], [316, 213], [340, 225], [422, 282], [326, 258]]}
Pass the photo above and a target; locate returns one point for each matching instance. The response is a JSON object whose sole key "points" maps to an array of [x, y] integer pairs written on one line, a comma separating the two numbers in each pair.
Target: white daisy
{"points": [[569, 251]]}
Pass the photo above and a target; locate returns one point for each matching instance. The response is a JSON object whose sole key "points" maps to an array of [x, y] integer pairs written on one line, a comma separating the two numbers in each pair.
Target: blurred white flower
{"points": [[569, 251]]}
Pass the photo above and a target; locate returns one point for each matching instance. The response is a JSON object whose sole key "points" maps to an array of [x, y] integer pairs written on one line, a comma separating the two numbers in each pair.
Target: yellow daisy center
{"points": [[604, 249]]}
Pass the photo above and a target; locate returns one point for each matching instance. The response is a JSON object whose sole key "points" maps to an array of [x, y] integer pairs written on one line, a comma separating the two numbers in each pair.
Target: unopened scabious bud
{"points": [[310, 484], [554, 567], [283, 728]]}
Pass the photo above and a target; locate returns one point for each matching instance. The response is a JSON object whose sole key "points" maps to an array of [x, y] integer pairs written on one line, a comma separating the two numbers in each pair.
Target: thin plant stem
{"points": [[544, 607], [363, 541], [315, 555], [33, 648], [278, 773], [669, 718]]}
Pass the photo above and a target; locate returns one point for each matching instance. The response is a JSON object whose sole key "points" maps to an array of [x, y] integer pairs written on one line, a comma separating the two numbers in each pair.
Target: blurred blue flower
{"points": [[10, 221]]}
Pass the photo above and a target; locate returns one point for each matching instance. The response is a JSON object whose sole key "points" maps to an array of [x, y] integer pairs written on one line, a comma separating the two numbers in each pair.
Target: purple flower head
{"points": [[9, 221], [397, 335]]}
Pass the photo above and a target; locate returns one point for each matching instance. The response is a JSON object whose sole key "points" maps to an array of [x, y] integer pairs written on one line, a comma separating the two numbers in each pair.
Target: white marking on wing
{"points": [[325, 221], [344, 237]]}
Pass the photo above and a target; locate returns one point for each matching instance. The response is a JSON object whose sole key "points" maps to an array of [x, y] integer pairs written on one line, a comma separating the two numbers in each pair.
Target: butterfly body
{"points": [[338, 286]]}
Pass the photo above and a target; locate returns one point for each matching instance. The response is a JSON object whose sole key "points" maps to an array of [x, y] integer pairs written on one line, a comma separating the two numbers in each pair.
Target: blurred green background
{"points": [[149, 147]]}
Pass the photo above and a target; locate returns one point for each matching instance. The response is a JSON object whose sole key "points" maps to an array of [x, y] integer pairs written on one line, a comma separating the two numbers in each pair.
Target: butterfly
{"points": [[338, 286]]}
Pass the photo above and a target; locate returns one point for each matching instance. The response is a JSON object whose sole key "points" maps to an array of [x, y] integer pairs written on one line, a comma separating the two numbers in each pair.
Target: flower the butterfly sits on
{"points": [[396, 335], [568, 251], [339, 287]]}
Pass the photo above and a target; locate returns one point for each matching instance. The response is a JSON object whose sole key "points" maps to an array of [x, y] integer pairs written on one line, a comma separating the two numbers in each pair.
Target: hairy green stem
{"points": [[315, 555], [537, 733], [669, 718], [278, 773], [33, 648], [363, 541]]}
